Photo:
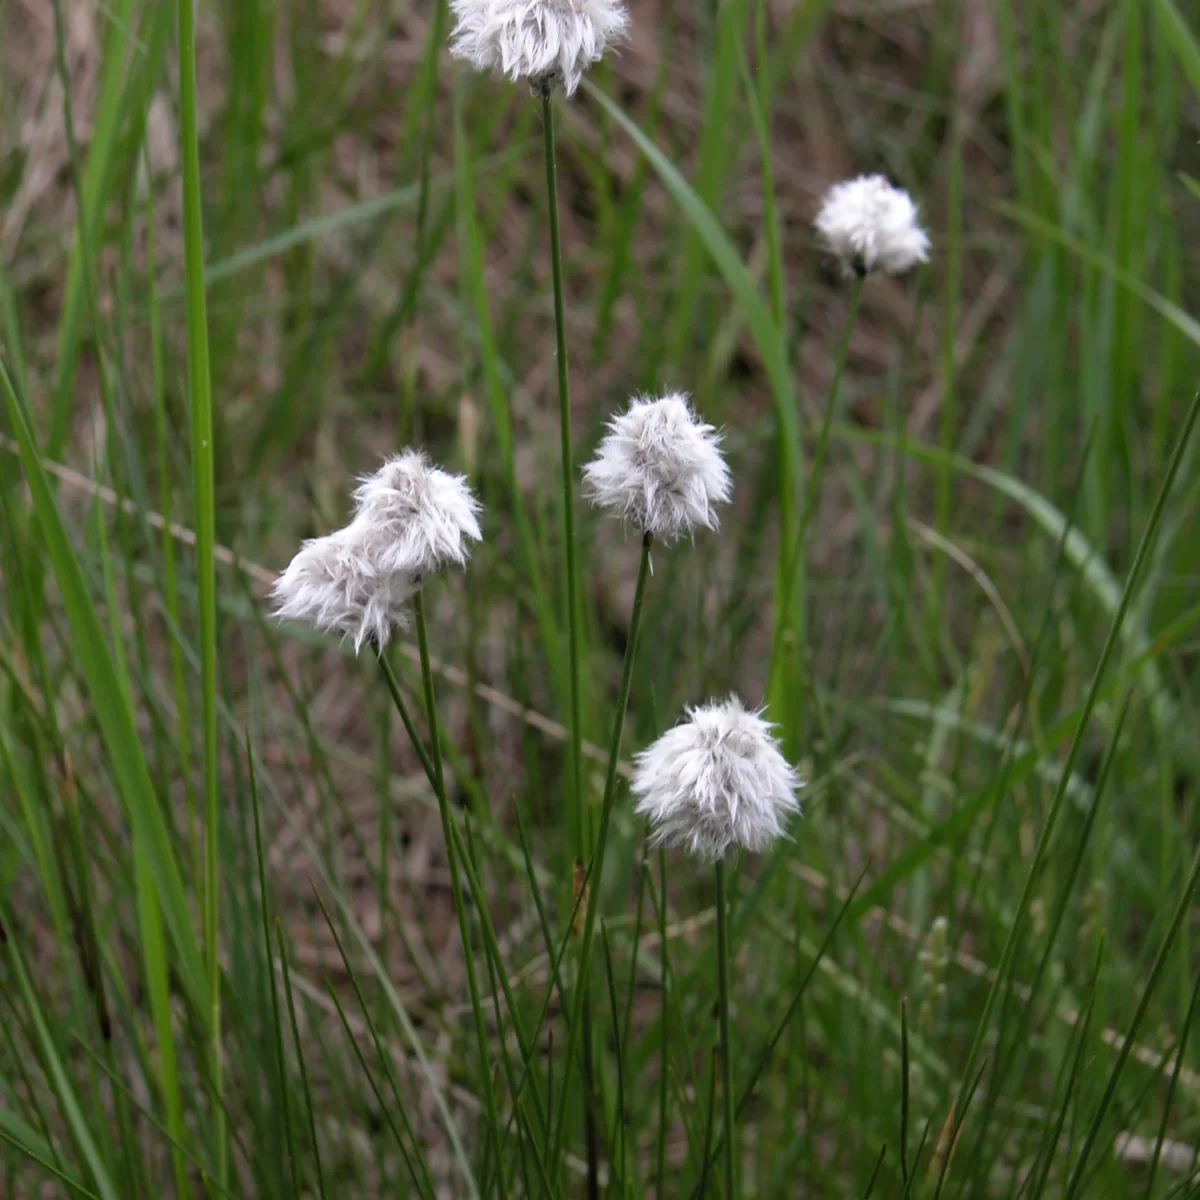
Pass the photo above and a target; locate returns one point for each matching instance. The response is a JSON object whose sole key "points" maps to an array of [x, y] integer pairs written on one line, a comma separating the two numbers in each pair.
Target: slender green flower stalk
{"points": [[717, 782], [460, 907], [200, 403], [411, 519], [869, 226], [659, 468], [582, 838], [573, 615], [579, 1001], [730, 1156], [551, 44], [813, 491]]}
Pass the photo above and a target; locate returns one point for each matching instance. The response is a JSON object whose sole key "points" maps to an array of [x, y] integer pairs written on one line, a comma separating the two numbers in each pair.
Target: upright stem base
{"points": [[730, 1156]]}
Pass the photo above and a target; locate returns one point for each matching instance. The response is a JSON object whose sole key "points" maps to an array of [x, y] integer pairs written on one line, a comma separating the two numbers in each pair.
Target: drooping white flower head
{"points": [[715, 781], [552, 41], [871, 225], [660, 467], [335, 584], [416, 517], [411, 518]]}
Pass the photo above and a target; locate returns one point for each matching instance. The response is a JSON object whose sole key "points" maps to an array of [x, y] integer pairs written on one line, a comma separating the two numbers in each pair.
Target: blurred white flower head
{"points": [[660, 467], [715, 781], [552, 41], [871, 225], [416, 517], [335, 584]]}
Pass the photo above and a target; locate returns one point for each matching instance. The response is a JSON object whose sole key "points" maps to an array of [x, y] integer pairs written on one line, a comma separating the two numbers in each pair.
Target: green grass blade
{"points": [[204, 518], [1171, 1087], [308, 1102], [69, 1104], [1182, 41], [1145, 545], [28, 1147], [272, 986], [117, 723], [94, 191], [1080, 552], [1181, 910], [757, 316]]}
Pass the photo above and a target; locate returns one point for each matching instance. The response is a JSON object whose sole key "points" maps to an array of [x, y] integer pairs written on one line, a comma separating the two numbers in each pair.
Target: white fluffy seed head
{"points": [[871, 225], [416, 517], [552, 41], [335, 584], [715, 781], [660, 467]]}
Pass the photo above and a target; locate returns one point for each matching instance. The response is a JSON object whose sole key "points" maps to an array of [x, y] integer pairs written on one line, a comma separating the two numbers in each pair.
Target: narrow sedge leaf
{"points": [[1182, 41], [875, 1173], [276, 1024], [117, 725], [204, 516], [1160, 961], [69, 1106], [308, 1104], [423, 1184], [123, 1089], [766, 335], [1179, 1056], [28, 1146], [1056, 804], [384, 1107], [764, 1056], [1080, 553], [1075, 1064]]}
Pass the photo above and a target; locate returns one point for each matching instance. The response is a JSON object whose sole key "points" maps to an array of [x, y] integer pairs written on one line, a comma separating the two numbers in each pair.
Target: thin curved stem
{"points": [[578, 804], [595, 873], [730, 1156], [524, 1040], [439, 786], [568, 474], [389, 675]]}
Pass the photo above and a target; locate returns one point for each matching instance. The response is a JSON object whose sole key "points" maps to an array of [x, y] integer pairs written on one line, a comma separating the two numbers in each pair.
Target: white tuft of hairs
{"points": [[410, 519], [551, 41], [417, 518], [335, 584], [716, 781], [871, 225], [660, 468]]}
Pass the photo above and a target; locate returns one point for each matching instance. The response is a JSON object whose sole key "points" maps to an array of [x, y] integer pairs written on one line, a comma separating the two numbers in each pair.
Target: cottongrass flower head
{"points": [[411, 518], [660, 467], [871, 225], [417, 518], [715, 781], [335, 584], [544, 41]]}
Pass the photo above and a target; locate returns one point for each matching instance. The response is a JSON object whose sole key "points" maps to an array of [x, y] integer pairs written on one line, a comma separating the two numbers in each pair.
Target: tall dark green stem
{"points": [[578, 804], [200, 404], [596, 872], [439, 787], [568, 475], [730, 1156]]}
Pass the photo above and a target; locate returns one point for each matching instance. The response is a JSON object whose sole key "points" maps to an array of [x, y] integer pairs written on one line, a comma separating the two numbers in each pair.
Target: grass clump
{"points": [[257, 943]]}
